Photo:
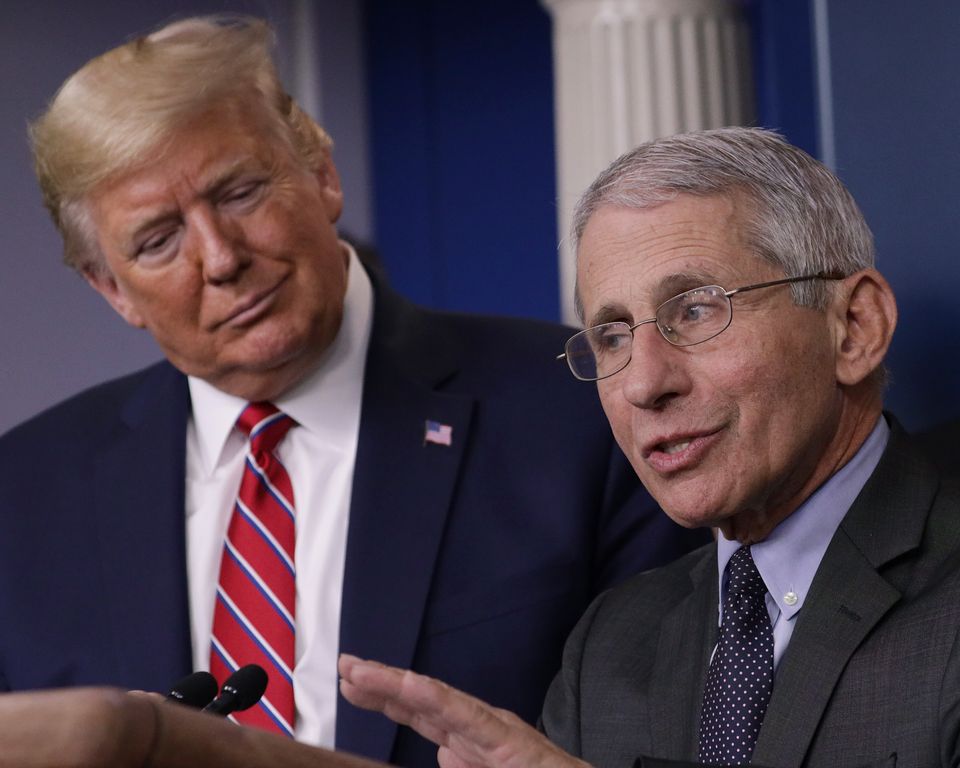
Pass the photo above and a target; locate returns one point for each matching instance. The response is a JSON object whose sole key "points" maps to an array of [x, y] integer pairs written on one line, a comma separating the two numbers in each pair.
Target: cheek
{"points": [[165, 300], [610, 402], [781, 403], [620, 413], [297, 237], [271, 229]]}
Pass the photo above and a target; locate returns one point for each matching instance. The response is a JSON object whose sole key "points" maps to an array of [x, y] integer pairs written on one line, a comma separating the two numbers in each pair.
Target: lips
{"points": [[250, 308], [679, 451], [674, 447]]}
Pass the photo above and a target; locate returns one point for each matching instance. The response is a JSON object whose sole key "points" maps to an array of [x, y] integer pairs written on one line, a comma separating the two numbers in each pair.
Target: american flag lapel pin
{"points": [[437, 433]]}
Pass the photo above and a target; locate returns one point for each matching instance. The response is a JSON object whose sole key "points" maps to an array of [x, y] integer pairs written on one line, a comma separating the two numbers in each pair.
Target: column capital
{"points": [[628, 71]]}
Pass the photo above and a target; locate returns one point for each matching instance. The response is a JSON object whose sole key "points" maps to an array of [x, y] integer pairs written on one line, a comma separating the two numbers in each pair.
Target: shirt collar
{"points": [[327, 402], [789, 557]]}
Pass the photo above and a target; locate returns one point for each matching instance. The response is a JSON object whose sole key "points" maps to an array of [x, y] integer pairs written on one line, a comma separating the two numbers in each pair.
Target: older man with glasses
{"points": [[821, 629]]}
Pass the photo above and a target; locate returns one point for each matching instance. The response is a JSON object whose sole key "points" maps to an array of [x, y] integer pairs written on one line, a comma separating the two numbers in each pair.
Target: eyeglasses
{"points": [[692, 317]]}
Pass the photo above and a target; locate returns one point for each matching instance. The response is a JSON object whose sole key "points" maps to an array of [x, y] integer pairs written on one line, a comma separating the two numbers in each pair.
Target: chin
{"points": [[269, 351], [693, 514]]}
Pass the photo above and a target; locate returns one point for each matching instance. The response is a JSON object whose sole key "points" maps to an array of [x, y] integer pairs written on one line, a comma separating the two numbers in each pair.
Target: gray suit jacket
{"points": [[872, 673]]}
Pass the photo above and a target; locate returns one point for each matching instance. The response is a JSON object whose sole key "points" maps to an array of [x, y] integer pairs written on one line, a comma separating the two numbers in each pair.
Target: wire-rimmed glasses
{"points": [[692, 317]]}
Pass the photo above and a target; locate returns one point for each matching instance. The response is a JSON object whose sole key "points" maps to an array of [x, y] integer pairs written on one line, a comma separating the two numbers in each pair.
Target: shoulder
{"points": [[91, 416], [940, 545], [506, 351], [939, 443], [490, 357], [635, 608], [504, 336], [399, 321], [655, 592], [914, 484]]}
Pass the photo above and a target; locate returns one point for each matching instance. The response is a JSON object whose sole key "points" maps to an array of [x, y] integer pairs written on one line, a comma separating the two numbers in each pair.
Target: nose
{"points": [[657, 372], [219, 246]]}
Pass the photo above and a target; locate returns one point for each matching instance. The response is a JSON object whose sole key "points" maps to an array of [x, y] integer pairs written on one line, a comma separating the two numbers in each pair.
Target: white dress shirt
{"points": [[319, 456]]}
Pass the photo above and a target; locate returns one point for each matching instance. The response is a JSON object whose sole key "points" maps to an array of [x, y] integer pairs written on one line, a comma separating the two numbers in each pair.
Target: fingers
{"points": [[429, 706], [369, 696], [402, 696], [374, 686], [446, 758], [471, 734]]}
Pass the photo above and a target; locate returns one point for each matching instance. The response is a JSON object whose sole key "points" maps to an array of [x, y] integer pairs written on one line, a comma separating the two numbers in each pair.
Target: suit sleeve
{"points": [[634, 534], [560, 719]]}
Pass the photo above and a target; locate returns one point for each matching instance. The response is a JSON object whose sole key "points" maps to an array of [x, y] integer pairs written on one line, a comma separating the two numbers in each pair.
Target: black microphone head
{"points": [[247, 684], [195, 690]]}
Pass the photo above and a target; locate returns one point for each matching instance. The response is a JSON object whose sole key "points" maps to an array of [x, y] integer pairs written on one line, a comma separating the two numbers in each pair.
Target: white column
{"points": [[306, 60], [627, 71]]}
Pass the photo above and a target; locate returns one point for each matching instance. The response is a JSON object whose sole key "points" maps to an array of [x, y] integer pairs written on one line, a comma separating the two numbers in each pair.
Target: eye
{"points": [[157, 244], [691, 313], [610, 337], [693, 308], [243, 193]]}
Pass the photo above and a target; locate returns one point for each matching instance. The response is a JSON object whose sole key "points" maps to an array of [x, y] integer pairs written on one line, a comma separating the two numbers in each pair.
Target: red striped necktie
{"points": [[253, 621]]}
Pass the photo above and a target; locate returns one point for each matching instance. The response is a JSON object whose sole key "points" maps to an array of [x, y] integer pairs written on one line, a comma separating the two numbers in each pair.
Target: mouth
{"points": [[251, 308], [673, 453]]}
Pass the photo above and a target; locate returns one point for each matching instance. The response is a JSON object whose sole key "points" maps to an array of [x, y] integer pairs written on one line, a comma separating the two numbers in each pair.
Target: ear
{"points": [[106, 285], [330, 190], [866, 313]]}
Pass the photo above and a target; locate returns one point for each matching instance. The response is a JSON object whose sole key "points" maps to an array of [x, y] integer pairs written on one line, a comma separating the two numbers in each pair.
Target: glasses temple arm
{"points": [[784, 281]]}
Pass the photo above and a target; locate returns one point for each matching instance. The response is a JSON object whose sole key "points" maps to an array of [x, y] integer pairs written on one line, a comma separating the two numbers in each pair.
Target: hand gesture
{"points": [[469, 732]]}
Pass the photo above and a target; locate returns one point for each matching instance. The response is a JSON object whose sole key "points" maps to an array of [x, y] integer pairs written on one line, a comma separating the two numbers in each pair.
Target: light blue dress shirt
{"points": [[789, 557]]}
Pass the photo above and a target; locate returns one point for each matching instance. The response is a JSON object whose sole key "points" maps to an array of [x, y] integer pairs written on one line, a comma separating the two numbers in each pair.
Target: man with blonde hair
{"points": [[318, 466], [736, 329]]}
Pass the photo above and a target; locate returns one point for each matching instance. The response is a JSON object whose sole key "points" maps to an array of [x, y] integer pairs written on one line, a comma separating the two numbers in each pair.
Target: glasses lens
{"points": [[694, 316], [599, 351]]}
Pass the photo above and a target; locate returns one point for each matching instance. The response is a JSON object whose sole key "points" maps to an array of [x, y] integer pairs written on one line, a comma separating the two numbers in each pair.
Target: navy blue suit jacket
{"points": [[470, 562]]}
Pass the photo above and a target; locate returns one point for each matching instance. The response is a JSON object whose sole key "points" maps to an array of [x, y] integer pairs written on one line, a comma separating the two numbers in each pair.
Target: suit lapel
{"points": [[687, 637], [139, 490], [846, 601], [402, 491], [848, 597]]}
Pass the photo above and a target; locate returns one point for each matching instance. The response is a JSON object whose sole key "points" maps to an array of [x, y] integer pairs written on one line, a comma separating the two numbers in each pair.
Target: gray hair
{"points": [[123, 108], [801, 219]]}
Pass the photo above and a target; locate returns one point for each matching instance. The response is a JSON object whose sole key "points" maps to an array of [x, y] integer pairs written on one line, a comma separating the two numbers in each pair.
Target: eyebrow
{"points": [[608, 313], [230, 173], [131, 238], [675, 284], [667, 288], [222, 177]]}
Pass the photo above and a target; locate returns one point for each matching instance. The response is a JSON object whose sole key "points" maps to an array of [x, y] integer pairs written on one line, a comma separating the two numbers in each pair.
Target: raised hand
{"points": [[469, 732]]}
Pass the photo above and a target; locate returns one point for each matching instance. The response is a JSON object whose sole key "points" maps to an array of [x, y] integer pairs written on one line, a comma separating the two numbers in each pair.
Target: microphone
{"points": [[195, 690], [241, 691]]}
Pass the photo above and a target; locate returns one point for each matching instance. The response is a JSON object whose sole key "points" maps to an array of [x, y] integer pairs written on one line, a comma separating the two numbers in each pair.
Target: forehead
{"points": [[197, 155], [640, 257], [197, 142]]}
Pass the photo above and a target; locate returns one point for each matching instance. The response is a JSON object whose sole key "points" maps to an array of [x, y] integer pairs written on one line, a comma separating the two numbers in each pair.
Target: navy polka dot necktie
{"points": [[740, 677]]}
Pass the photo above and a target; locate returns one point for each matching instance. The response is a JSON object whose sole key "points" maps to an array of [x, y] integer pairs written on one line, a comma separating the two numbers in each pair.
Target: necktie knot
{"points": [[265, 425], [743, 579]]}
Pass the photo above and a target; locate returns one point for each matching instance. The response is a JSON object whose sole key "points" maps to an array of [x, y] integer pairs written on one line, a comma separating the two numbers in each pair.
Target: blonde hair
{"points": [[123, 108]]}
